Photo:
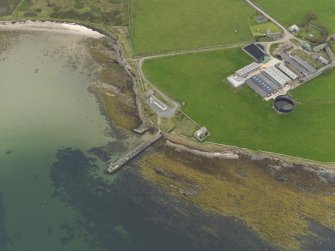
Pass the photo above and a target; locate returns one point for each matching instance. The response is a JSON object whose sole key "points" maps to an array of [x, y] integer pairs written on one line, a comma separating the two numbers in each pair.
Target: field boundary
{"points": [[193, 50], [274, 154]]}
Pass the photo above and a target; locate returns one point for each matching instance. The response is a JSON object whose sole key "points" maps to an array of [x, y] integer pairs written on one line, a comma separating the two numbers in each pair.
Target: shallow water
{"points": [[44, 106], [54, 194]]}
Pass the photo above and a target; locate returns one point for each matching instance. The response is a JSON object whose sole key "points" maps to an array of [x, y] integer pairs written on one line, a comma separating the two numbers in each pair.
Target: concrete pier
{"points": [[115, 166]]}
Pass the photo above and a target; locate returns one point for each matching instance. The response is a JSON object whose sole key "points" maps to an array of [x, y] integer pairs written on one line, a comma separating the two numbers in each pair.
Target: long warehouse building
{"points": [[262, 85], [277, 76], [245, 71], [287, 71]]}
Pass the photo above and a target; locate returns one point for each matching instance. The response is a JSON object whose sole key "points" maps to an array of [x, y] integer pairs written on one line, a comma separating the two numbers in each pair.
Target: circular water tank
{"points": [[284, 104]]}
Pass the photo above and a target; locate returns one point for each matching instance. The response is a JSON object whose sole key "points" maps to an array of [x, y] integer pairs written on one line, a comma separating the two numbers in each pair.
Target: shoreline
{"points": [[178, 142], [50, 26]]}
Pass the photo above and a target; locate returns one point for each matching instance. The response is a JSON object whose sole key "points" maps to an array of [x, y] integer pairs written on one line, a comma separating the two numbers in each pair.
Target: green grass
{"points": [[320, 89], [238, 116], [305, 33], [289, 12], [109, 12], [159, 25], [307, 57], [260, 29]]}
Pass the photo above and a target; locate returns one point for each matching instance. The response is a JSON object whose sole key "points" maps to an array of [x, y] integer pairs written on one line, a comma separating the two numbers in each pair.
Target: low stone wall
{"points": [[320, 72]]}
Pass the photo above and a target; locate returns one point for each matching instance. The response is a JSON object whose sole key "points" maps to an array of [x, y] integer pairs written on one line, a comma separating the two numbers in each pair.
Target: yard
{"points": [[159, 26], [238, 116]]}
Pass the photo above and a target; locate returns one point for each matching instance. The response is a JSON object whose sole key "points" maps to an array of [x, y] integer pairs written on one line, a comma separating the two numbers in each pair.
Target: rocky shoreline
{"points": [[180, 144]]}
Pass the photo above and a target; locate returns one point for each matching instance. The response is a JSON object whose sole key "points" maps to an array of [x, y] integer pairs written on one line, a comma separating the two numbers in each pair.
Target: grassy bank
{"points": [[158, 26], [238, 116]]}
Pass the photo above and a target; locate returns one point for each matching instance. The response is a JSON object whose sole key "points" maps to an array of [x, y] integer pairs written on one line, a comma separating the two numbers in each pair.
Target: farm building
{"points": [[245, 71], [330, 54], [277, 76], [201, 134], [263, 85], [260, 19], [273, 35], [297, 64], [320, 47], [157, 103], [294, 29], [256, 51], [287, 71], [321, 59], [304, 64], [239, 77]]}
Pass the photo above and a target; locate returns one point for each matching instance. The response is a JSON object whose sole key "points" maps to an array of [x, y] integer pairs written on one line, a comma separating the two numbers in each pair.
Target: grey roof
{"points": [[255, 51], [287, 71], [248, 69], [262, 85], [272, 72], [320, 47], [306, 65], [294, 65], [281, 74]]}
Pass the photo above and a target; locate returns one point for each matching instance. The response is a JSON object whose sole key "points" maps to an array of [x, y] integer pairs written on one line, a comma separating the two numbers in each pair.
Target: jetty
{"points": [[117, 165]]}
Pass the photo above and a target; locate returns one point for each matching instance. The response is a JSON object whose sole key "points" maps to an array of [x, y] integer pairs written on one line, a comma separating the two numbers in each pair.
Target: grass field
{"points": [[289, 12], [158, 26], [260, 29], [110, 12], [238, 116]]}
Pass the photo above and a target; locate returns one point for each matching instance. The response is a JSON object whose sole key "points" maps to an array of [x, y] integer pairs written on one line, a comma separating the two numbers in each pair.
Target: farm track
{"points": [[286, 37], [179, 53]]}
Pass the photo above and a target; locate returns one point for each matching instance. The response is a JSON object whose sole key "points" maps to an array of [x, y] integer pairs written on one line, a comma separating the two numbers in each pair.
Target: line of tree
{"points": [[310, 19]]}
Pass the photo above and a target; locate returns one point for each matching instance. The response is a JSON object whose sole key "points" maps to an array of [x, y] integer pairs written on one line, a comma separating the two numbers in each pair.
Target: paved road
{"points": [[287, 34]]}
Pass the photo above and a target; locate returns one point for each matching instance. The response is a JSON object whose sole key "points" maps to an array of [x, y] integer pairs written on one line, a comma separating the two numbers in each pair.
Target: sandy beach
{"points": [[49, 26]]}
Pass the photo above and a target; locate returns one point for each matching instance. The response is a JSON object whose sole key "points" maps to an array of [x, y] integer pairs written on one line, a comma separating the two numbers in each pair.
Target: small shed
{"points": [[260, 19], [294, 29], [201, 134]]}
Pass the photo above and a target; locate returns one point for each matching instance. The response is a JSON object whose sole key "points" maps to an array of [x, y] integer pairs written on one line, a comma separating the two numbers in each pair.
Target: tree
{"points": [[311, 16]]}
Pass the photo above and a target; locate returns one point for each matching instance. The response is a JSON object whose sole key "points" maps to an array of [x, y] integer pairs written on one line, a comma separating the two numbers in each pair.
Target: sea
{"points": [[54, 143]]}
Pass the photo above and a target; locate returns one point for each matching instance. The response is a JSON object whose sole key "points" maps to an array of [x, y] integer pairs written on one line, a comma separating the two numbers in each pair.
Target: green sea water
{"points": [[54, 194], [44, 106]]}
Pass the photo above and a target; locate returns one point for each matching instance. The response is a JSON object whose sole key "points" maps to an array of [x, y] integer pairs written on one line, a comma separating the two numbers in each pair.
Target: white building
{"points": [[240, 75], [158, 103], [201, 134], [245, 71], [294, 29]]}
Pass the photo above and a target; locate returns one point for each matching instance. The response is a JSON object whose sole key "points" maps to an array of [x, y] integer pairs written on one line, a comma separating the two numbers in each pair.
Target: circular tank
{"points": [[284, 104]]}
